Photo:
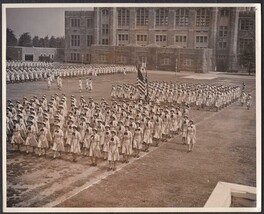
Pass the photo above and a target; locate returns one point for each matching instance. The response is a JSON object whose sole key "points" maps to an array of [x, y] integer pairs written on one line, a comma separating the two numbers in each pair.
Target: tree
{"points": [[25, 40], [11, 39], [52, 42], [46, 41], [60, 42], [41, 42], [35, 41]]}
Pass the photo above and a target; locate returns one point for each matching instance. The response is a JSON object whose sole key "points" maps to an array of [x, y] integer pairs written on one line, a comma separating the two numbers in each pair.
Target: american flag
{"points": [[141, 83]]}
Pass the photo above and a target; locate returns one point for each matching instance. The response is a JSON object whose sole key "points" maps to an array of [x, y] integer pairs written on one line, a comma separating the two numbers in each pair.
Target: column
{"points": [[232, 52], [96, 35], [213, 34], [191, 33]]}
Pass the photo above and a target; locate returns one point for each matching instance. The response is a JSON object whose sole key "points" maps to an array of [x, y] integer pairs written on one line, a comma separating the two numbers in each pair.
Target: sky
{"points": [[37, 21]]}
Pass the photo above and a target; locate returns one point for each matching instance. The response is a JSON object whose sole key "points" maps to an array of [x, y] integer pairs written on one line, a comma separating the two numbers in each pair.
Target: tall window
{"points": [[123, 17], [75, 57], [162, 17], [202, 17], [142, 17], [182, 17], [75, 22], [201, 42], [222, 31], [246, 24], [105, 29], [89, 40], [75, 40], [89, 23]]}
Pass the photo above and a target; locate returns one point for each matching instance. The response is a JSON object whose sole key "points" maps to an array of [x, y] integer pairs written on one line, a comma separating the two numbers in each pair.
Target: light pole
{"points": [[82, 58]]}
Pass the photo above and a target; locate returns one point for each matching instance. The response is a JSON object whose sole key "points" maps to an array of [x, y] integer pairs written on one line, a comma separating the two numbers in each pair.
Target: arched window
{"points": [[123, 17], [142, 17], [162, 17], [182, 17]]}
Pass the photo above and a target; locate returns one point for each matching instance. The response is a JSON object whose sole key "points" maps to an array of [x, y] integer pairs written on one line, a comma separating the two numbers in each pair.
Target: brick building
{"points": [[183, 39], [32, 53]]}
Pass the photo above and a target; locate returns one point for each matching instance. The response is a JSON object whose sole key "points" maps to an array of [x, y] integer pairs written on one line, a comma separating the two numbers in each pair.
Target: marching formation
{"points": [[200, 96], [33, 71], [96, 129]]}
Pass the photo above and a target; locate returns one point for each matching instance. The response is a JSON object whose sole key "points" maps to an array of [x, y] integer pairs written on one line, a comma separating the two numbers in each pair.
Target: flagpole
{"points": [[146, 79]]}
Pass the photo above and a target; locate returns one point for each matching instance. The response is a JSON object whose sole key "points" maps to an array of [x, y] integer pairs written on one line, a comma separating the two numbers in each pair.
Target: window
{"points": [[75, 57], [122, 38], [142, 38], [105, 12], [75, 22], [89, 23], [102, 58], [105, 42], [75, 40], [221, 56], [142, 17], [89, 40], [202, 17], [222, 31], [244, 43], [182, 17], [222, 45], [122, 59], [224, 12], [246, 24], [181, 40], [105, 29], [165, 61], [162, 17], [123, 17], [161, 38], [187, 62], [201, 42]]}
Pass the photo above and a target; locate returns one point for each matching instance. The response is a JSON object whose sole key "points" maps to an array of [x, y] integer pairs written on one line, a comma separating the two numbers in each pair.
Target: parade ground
{"points": [[166, 176]]}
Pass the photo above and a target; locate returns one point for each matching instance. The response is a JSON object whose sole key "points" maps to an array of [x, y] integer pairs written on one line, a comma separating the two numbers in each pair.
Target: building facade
{"points": [[32, 53], [182, 39]]}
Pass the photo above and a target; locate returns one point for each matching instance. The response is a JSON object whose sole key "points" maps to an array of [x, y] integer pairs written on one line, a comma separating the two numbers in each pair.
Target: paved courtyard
{"points": [[167, 176]]}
